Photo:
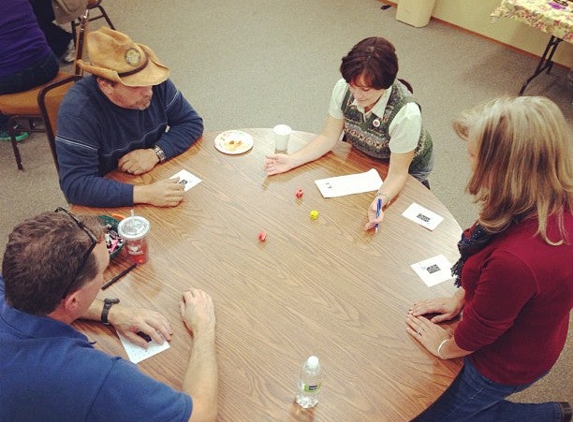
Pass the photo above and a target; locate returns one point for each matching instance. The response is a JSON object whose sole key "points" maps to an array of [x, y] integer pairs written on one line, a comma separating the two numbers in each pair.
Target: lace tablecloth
{"points": [[547, 16]]}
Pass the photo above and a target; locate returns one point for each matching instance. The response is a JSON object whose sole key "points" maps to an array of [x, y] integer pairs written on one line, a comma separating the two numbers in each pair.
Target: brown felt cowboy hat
{"points": [[114, 56]]}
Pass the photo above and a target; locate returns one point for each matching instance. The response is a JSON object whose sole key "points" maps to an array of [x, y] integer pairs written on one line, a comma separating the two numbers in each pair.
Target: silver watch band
{"points": [[160, 153]]}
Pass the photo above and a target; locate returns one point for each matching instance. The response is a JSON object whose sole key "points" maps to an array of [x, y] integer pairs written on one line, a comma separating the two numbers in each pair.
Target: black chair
{"points": [[93, 4]]}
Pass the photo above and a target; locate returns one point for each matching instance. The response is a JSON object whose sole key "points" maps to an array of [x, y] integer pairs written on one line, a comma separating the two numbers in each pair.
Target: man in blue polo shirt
{"points": [[51, 273]]}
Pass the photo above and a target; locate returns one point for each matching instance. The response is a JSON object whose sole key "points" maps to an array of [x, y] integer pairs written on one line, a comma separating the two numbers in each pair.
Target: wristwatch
{"points": [[107, 304], [159, 152]]}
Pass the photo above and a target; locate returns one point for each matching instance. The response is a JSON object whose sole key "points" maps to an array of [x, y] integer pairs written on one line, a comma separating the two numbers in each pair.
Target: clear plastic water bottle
{"points": [[309, 383]]}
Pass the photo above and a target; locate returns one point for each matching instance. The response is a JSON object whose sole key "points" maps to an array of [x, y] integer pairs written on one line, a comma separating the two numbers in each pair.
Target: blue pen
{"points": [[378, 209]]}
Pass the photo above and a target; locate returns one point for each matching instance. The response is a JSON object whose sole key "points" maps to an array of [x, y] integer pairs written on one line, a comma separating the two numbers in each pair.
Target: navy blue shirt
{"points": [[51, 372], [93, 134]]}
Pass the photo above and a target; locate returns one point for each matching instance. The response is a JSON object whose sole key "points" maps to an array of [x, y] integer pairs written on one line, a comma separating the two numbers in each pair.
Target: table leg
{"points": [[545, 62]]}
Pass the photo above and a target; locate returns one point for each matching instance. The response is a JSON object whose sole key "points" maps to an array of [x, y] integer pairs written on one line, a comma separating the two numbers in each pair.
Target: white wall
{"points": [[474, 15]]}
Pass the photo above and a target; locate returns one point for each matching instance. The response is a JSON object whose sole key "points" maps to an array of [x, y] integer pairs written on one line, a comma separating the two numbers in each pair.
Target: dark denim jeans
{"points": [[42, 71], [58, 38], [473, 397]]}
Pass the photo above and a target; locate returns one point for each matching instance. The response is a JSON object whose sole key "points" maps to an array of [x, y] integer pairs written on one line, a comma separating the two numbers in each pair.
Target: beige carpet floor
{"points": [[250, 63]]}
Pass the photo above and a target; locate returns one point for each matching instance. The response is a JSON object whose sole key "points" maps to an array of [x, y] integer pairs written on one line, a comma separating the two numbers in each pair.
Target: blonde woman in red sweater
{"points": [[515, 273]]}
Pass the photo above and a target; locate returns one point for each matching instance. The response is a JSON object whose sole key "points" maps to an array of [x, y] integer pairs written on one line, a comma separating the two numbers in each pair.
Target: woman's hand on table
{"points": [[129, 321], [427, 333], [446, 308], [372, 211], [434, 338], [277, 163]]}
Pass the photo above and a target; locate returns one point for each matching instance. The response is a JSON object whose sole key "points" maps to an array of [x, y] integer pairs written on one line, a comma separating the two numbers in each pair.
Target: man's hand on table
{"points": [[198, 312], [164, 193], [129, 321], [138, 161]]}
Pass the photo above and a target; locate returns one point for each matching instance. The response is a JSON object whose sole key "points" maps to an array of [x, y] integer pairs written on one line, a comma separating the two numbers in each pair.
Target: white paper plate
{"points": [[234, 142]]}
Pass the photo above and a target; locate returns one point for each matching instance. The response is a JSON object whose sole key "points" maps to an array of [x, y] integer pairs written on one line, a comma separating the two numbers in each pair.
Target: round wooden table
{"points": [[323, 287]]}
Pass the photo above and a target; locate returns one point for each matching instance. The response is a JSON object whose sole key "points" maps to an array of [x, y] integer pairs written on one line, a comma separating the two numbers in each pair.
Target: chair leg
{"points": [[12, 131], [54, 154], [105, 16], [74, 32]]}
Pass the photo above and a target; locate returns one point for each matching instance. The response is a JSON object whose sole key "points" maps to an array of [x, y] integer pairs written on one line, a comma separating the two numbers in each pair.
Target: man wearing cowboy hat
{"points": [[127, 115]]}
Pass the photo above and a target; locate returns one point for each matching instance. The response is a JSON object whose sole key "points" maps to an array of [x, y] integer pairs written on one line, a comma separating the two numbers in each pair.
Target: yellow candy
{"points": [[314, 214]]}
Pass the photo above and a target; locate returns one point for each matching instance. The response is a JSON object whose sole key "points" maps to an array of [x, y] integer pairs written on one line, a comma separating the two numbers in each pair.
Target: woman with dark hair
{"points": [[515, 273], [378, 115]]}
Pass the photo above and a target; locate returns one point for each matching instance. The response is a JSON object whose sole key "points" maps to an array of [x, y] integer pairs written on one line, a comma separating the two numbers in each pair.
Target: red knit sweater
{"points": [[519, 292]]}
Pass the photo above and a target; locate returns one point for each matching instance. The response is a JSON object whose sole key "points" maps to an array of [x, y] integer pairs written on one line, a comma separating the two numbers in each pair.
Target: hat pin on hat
{"points": [[132, 57]]}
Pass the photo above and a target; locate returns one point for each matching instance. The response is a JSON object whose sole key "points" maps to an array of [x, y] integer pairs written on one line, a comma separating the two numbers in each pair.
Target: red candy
{"points": [[262, 236], [299, 193]]}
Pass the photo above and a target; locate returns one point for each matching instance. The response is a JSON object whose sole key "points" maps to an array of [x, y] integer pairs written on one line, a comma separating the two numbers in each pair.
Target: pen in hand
{"points": [[378, 209], [117, 277]]}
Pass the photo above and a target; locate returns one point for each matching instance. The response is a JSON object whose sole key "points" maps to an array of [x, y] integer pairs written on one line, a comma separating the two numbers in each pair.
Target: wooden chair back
{"points": [[49, 100]]}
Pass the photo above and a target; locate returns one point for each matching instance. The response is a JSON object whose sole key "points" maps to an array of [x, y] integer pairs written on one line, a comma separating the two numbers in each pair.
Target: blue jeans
{"points": [[40, 72], [473, 397], [58, 38], [43, 70]]}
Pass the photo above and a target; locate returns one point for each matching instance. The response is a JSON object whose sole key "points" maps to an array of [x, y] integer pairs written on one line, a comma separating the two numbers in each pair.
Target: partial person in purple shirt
{"points": [[26, 59]]}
